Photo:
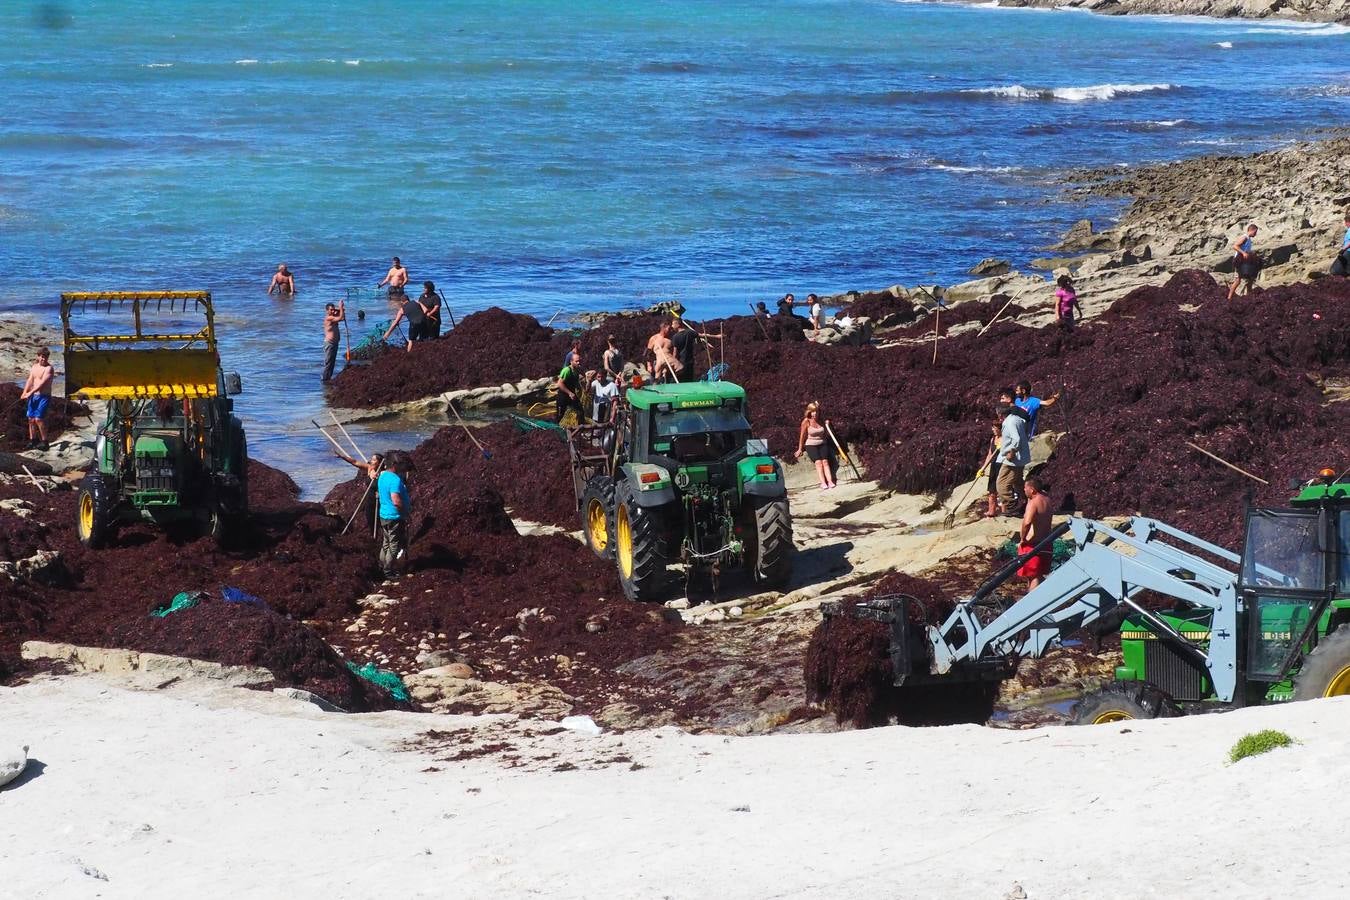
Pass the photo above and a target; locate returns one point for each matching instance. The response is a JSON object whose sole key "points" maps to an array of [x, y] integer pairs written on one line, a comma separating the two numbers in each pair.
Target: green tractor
{"points": [[170, 447], [1293, 640], [677, 478]]}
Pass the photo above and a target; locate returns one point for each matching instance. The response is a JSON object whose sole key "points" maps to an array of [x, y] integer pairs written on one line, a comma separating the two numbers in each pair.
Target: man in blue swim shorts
{"points": [[37, 390]]}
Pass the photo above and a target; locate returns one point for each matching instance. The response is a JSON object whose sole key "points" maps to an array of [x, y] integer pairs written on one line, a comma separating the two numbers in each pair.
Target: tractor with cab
{"points": [[1267, 625], [677, 478]]}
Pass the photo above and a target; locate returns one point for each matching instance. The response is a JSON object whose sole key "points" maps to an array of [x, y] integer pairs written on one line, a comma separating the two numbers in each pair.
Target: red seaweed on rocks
{"points": [[292, 557]]}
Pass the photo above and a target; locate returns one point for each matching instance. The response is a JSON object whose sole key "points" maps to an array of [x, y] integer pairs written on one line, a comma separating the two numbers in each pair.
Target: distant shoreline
{"points": [[1328, 12]]}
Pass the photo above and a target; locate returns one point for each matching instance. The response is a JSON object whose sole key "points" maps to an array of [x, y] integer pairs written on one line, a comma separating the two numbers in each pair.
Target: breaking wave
{"points": [[1069, 94]]}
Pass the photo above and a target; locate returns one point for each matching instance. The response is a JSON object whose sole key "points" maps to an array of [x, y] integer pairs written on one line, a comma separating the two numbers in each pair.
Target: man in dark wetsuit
{"points": [[569, 391]]}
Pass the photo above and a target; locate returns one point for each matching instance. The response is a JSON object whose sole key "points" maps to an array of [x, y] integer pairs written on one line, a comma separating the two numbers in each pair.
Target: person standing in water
{"points": [[333, 316], [1246, 264], [811, 437], [396, 278], [283, 282]]}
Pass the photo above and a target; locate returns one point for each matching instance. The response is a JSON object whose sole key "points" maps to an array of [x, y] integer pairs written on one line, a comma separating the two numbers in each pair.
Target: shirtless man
{"points": [[283, 282], [662, 350], [1036, 524], [332, 317], [396, 278], [37, 390]]}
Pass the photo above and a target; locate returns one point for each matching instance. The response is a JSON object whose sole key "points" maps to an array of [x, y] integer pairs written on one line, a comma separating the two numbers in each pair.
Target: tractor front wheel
{"points": [[597, 516], [1326, 670], [93, 513], [1121, 701], [768, 546], [637, 547]]}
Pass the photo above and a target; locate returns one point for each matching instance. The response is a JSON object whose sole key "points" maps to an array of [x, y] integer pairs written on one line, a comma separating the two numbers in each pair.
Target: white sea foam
{"points": [[156, 65], [352, 62], [1224, 45], [1069, 94], [983, 170], [245, 62], [1311, 29]]}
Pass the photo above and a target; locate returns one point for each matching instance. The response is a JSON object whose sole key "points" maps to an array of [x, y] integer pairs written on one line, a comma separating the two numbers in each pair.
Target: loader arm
{"points": [[1108, 569]]}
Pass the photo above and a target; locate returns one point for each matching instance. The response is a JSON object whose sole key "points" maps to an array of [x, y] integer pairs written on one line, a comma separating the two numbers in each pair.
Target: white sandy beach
{"points": [[177, 792]]}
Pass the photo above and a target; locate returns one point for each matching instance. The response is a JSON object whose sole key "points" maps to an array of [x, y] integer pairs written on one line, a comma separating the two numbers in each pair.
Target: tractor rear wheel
{"points": [[93, 512], [1326, 670], [597, 516], [1121, 701], [637, 547], [769, 548]]}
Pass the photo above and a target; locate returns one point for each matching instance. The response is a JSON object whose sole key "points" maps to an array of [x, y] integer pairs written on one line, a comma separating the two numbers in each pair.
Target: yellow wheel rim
{"points": [[596, 527], [623, 536], [86, 515], [1339, 685], [1113, 715]]}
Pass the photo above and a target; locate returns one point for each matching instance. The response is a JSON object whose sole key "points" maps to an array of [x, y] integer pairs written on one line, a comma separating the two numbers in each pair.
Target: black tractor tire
{"points": [[1121, 701], [769, 548], [1326, 670], [637, 547], [94, 512], [597, 516]]}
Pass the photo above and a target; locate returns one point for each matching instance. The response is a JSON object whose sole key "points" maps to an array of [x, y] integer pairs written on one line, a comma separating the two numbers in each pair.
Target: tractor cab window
{"points": [[1283, 550], [1343, 553], [700, 435]]}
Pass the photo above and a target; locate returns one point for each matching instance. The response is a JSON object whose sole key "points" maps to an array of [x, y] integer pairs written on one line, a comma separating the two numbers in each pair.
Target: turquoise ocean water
{"points": [[582, 155]]}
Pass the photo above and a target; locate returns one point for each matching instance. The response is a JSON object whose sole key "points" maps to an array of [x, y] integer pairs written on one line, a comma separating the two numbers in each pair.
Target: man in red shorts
{"points": [[1036, 523]]}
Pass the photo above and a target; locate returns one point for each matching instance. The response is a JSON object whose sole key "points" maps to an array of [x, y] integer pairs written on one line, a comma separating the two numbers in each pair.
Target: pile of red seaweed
{"points": [[495, 347], [541, 607], [292, 557], [1164, 366], [848, 670]]}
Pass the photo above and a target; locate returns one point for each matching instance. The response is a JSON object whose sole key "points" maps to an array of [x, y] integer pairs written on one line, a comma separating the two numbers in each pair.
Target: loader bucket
{"points": [[139, 344], [134, 374]]}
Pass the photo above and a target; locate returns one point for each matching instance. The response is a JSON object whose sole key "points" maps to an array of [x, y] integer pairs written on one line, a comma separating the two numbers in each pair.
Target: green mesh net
{"points": [[381, 678], [1061, 550], [181, 600]]}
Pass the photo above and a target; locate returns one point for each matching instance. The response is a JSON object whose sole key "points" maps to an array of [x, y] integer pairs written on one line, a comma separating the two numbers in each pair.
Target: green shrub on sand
{"points": [[1259, 742]]}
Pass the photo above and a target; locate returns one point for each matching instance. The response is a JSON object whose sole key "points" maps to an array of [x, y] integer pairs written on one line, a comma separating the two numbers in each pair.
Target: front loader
{"points": [[677, 478], [1268, 625], [170, 448]]}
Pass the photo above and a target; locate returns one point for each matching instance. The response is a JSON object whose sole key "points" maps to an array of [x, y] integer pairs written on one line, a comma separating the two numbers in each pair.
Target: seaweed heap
{"points": [[531, 608], [291, 556], [847, 668]]}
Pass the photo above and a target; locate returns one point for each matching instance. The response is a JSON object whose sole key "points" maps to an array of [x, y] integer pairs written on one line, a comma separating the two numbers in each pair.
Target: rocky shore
{"points": [[1296, 10]]}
